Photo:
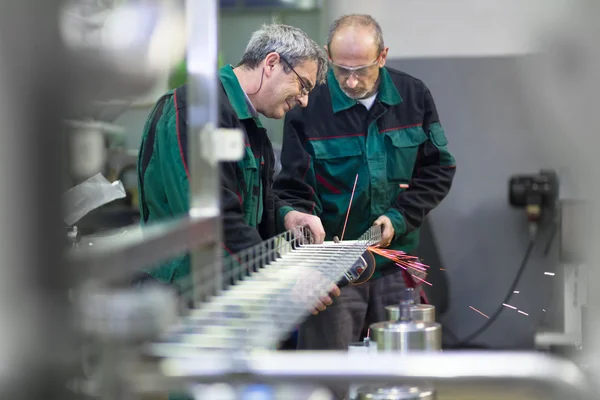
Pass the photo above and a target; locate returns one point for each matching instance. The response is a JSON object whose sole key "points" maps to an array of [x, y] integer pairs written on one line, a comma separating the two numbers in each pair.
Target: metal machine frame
{"points": [[574, 286]]}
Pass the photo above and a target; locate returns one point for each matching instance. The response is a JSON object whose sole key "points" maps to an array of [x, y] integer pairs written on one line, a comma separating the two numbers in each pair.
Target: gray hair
{"points": [[357, 20], [292, 44]]}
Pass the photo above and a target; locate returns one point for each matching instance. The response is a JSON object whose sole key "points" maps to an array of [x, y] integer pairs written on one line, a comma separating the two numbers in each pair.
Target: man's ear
{"points": [[271, 60], [327, 51], [383, 57]]}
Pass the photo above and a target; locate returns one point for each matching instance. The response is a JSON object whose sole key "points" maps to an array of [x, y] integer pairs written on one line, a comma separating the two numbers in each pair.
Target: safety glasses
{"points": [[305, 89], [360, 71]]}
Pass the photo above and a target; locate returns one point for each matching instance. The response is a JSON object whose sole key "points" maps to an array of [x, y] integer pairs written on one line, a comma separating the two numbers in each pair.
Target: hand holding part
{"points": [[326, 300], [294, 219], [387, 230], [314, 290]]}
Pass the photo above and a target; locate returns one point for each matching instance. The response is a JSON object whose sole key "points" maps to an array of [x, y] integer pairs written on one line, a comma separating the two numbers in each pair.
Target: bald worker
{"points": [[382, 125]]}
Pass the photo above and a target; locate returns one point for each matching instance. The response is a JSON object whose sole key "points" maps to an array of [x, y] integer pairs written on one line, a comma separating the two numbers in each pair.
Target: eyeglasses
{"points": [[360, 71], [305, 90]]}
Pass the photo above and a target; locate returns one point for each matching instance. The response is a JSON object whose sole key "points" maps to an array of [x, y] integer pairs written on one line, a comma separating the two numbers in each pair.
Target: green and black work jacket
{"points": [[398, 142], [247, 201]]}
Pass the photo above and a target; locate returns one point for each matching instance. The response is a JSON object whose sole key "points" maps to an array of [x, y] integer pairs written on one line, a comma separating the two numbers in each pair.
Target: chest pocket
{"points": [[250, 188], [402, 148], [335, 161]]}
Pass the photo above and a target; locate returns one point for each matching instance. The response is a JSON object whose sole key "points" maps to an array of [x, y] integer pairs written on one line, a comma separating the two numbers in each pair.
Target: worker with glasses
{"points": [[370, 134], [279, 68]]}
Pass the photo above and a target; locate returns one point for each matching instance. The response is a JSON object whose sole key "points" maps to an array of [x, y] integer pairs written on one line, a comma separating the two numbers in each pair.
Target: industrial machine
{"points": [[572, 285], [538, 194], [407, 332], [411, 328]]}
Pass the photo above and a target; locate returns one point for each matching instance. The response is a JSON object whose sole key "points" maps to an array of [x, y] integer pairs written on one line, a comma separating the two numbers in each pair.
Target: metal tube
{"points": [[120, 256], [33, 302], [462, 373], [203, 100]]}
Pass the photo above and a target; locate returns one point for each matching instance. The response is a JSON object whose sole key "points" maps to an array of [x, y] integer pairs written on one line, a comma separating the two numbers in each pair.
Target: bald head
{"points": [[353, 46], [359, 31], [357, 53]]}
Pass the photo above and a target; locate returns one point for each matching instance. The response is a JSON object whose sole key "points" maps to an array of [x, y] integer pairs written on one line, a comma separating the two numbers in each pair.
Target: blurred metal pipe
{"points": [[33, 305], [203, 105], [461, 373], [120, 255]]}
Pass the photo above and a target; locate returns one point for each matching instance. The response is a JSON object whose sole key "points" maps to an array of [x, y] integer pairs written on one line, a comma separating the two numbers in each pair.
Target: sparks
{"points": [[476, 310], [349, 207], [549, 273], [524, 313], [509, 306], [516, 292], [404, 261], [422, 280]]}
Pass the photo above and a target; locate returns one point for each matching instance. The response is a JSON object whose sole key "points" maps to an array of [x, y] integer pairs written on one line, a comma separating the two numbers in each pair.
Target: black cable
{"points": [[551, 239], [465, 342]]}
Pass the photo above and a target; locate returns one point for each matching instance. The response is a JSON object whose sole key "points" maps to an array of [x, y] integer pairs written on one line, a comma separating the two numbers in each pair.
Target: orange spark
{"points": [[404, 261], [476, 310]]}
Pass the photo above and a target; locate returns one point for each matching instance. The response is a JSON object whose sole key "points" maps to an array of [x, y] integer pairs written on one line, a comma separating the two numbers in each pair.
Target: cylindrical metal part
{"points": [[396, 393], [418, 312], [407, 336]]}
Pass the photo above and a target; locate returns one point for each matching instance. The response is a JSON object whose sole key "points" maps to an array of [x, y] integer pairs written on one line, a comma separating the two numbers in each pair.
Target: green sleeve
{"points": [[173, 170]]}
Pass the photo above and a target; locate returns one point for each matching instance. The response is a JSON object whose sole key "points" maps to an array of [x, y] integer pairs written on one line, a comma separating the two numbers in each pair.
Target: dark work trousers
{"points": [[348, 318]]}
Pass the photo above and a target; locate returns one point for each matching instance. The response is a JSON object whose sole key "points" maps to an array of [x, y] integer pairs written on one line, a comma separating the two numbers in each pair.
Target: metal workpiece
{"points": [[418, 312], [407, 336], [462, 373], [404, 333], [270, 289], [122, 253]]}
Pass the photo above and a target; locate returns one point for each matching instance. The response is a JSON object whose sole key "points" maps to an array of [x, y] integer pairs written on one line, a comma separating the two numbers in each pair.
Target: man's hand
{"points": [[326, 300], [387, 230], [313, 290], [294, 219]]}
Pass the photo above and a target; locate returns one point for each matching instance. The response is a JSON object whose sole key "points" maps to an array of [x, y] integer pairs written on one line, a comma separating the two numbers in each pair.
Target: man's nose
{"points": [[351, 81], [302, 100]]}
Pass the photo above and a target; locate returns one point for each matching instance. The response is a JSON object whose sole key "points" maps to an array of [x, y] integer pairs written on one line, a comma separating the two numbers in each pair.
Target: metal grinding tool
{"points": [[273, 288], [406, 334], [396, 393]]}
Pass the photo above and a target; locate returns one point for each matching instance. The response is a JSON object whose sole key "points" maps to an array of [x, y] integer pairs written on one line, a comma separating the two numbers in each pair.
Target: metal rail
{"points": [[463, 374], [202, 118], [120, 253]]}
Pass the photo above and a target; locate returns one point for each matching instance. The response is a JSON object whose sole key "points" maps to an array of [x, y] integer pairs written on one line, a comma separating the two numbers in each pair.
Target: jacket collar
{"points": [[236, 95], [387, 92]]}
